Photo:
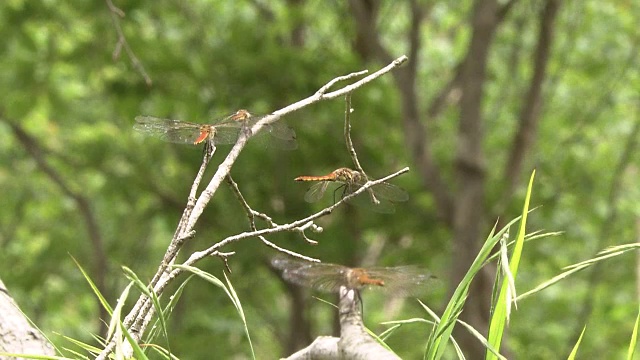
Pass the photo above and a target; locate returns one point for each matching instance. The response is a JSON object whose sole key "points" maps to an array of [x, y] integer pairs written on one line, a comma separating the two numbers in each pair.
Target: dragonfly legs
{"points": [[346, 190], [208, 150], [357, 300], [247, 130], [342, 187]]}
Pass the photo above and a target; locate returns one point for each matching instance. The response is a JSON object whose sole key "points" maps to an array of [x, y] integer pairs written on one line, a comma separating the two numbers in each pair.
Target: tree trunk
{"points": [[17, 336], [469, 211]]}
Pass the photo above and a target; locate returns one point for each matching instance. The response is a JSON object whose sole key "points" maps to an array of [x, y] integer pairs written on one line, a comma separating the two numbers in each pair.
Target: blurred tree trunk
{"points": [[85, 210], [469, 214], [16, 333], [462, 207]]}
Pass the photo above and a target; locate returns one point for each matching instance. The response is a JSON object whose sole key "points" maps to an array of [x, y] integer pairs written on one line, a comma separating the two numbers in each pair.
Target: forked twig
{"points": [[350, 148], [140, 316], [122, 43], [251, 214]]}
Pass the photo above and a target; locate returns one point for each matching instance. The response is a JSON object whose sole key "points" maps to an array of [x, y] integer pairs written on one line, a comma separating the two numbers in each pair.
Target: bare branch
{"points": [[294, 226], [531, 109], [140, 316], [354, 341], [122, 43], [225, 166], [326, 87], [251, 214], [83, 204]]}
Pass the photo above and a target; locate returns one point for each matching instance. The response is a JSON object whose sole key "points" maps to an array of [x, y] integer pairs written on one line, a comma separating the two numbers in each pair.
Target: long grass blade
{"points": [[168, 309], [137, 350], [507, 291], [238, 305], [117, 312], [634, 338], [603, 255], [101, 298], [154, 299], [229, 290], [574, 351], [436, 345]]}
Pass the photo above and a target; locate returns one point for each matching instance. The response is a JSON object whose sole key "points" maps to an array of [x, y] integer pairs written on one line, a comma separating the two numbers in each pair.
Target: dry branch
{"points": [[142, 313]]}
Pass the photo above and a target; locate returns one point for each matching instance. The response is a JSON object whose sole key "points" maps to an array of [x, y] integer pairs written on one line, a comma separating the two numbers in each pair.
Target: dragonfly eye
{"points": [[241, 115]]}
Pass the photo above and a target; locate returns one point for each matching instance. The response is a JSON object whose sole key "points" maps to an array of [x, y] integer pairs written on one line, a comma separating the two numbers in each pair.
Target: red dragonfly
{"points": [[224, 131], [350, 181], [396, 281]]}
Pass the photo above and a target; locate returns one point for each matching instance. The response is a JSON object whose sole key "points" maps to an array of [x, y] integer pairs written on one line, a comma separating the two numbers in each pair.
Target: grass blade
{"points": [[634, 338], [154, 299], [238, 305], [436, 344], [507, 291], [574, 351], [101, 298], [229, 290]]}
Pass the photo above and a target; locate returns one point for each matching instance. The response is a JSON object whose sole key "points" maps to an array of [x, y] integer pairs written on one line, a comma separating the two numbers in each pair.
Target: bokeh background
{"points": [[492, 90]]}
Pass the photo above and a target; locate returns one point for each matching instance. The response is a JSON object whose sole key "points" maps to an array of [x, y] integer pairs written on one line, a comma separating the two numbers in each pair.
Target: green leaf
{"points": [[634, 338], [503, 304], [574, 351], [230, 293], [154, 298]]}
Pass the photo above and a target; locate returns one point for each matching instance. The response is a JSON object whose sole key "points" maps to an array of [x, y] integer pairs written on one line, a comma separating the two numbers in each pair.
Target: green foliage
{"points": [[573, 353], [502, 308], [62, 85]]}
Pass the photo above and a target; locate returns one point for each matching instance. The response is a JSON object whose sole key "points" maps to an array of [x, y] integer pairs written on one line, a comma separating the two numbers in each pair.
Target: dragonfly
{"points": [[396, 281], [223, 131], [350, 181]]}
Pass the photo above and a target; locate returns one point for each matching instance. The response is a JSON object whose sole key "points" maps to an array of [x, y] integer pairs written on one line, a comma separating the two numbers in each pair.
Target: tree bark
{"points": [[99, 273], [532, 106], [469, 214], [17, 336], [354, 342]]}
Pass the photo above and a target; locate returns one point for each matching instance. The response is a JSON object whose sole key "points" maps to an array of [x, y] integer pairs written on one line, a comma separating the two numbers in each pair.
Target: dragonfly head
{"points": [[347, 175], [206, 132], [241, 115]]}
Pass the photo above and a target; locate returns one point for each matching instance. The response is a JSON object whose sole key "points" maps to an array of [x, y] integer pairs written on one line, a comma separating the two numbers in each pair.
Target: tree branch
{"points": [[17, 336], [531, 109], [140, 316], [368, 45], [116, 14], [354, 341], [30, 144]]}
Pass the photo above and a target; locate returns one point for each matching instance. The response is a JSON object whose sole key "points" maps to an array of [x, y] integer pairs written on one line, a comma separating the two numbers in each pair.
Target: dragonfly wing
{"points": [[319, 276], [364, 200], [402, 281], [316, 191], [282, 137], [390, 192], [281, 130], [226, 135], [175, 131]]}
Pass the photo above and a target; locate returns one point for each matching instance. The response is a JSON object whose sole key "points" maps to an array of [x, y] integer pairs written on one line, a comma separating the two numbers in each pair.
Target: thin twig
{"points": [[347, 135], [251, 214], [122, 43], [326, 87], [225, 166], [351, 149], [294, 226], [143, 304], [141, 314]]}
